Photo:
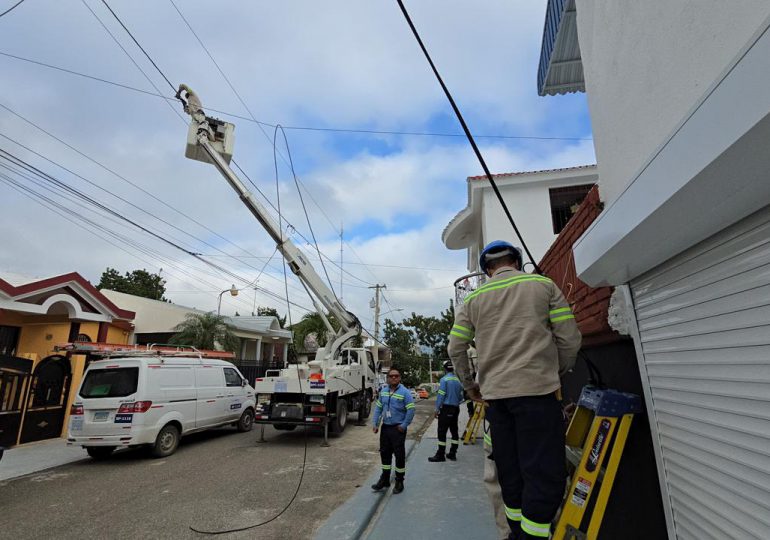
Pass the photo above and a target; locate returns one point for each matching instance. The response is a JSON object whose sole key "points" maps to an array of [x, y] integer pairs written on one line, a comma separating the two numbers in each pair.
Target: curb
{"points": [[351, 519]]}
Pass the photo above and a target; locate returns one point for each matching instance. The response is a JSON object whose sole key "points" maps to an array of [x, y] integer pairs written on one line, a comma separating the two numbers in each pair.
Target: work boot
{"points": [[383, 482], [452, 452], [438, 457], [399, 487]]}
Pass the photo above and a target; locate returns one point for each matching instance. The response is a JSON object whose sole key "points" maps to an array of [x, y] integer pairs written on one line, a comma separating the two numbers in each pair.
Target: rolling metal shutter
{"points": [[704, 332]]}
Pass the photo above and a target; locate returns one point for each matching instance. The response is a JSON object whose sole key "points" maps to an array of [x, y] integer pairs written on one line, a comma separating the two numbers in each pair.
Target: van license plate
{"points": [[101, 416]]}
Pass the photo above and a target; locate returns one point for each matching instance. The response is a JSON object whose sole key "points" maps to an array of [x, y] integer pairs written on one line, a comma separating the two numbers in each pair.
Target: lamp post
{"points": [[233, 292]]}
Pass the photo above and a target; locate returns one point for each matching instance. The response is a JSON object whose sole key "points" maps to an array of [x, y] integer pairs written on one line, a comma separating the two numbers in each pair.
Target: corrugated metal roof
{"points": [[521, 173], [561, 67]]}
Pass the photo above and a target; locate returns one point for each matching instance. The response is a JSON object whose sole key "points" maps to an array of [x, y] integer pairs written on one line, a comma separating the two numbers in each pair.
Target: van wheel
{"points": [[246, 422], [166, 442], [341, 420], [100, 453]]}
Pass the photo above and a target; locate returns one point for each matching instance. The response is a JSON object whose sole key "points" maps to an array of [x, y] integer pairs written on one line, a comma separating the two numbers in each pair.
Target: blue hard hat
{"points": [[497, 249]]}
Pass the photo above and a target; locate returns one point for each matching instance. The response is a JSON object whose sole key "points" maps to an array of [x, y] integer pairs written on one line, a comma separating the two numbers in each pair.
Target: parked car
{"points": [[154, 401], [423, 393]]}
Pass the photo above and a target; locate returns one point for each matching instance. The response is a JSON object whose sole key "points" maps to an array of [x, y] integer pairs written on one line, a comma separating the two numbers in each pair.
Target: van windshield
{"points": [[113, 382]]}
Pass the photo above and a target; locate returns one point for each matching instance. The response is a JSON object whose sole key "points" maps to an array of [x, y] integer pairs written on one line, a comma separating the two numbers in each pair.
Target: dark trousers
{"points": [[528, 441], [447, 420], [392, 442]]}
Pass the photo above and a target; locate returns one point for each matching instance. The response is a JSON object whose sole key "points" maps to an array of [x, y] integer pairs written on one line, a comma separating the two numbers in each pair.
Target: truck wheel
{"points": [[285, 427], [246, 421], [341, 420], [166, 442], [100, 453], [367, 407]]}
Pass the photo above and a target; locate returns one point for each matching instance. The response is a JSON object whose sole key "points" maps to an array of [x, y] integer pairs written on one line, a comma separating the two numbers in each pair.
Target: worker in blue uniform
{"points": [[395, 408], [450, 395]]}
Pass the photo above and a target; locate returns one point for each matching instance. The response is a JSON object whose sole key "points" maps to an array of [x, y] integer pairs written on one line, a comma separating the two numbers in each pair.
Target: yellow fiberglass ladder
{"points": [[474, 422], [600, 428]]}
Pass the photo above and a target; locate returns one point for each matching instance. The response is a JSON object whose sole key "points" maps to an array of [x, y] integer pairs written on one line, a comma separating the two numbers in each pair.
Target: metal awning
{"points": [[561, 67]]}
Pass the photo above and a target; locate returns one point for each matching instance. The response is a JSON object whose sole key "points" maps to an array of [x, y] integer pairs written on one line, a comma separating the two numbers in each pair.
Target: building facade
{"points": [[681, 121], [37, 380]]}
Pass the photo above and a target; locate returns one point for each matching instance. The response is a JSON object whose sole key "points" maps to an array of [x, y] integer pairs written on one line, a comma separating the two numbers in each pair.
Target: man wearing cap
{"points": [[450, 395], [526, 338]]}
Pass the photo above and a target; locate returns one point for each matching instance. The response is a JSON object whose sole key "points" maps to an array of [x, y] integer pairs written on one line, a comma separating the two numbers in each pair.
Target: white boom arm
{"points": [[208, 133]]}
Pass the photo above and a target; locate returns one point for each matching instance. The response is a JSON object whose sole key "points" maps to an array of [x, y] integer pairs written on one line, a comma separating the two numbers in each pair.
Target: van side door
{"points": [[210, 403]]}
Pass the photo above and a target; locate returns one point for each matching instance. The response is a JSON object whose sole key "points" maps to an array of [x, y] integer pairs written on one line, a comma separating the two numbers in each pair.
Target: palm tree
{"points": [[205, 331]]}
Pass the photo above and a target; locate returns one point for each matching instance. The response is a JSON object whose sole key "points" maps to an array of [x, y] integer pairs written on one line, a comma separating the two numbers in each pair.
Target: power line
{"points": [[293, 128], [17, 4], [173, 89], [468, 135]]}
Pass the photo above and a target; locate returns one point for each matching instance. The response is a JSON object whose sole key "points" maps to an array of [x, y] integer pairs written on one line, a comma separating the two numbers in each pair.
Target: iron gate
{"points": [[14, 378]]}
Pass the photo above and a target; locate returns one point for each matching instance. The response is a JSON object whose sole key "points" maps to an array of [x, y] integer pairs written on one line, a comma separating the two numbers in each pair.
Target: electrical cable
{"points": [[468, 135], [290, 128], [17, 4]]}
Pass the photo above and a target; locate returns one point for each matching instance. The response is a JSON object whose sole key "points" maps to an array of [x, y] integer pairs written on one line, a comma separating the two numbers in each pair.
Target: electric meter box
{"points": [[224, 140]]}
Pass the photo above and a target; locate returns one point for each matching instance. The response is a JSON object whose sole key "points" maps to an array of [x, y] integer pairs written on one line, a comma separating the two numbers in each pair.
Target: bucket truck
{"points": [[342, 377]]}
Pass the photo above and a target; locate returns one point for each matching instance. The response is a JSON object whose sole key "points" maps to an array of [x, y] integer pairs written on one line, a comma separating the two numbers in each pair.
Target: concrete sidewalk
{"points": [[35, 457], [445, 500]]}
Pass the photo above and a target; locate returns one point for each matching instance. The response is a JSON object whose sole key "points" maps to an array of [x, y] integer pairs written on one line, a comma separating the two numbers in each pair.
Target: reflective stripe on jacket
{"points": [[525, 335], [450, 391], [394, 408]]}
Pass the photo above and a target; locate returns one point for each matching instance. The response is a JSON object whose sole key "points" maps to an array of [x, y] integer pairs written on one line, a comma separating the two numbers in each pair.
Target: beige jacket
{"points": [[525, 334]]}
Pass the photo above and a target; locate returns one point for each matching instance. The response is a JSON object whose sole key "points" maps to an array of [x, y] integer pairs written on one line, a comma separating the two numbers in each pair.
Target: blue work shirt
{"points": [[394, 408], [450, 391]]}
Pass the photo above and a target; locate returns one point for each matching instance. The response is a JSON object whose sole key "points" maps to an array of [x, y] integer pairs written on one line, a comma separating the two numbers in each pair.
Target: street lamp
{"points": [[233, 292]]}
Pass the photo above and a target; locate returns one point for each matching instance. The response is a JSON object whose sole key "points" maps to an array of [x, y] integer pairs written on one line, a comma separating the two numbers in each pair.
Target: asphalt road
{"points": [[217, 480]]}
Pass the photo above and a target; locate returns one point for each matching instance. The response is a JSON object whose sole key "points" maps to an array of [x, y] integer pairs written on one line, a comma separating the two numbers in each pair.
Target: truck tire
{"points": [[363, 415], [100, 453], [166, 442], [246, 422], [341, 420]]}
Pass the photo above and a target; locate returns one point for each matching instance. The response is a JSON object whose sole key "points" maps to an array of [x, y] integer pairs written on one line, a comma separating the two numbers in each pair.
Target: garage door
{"points": [[704, 330]]}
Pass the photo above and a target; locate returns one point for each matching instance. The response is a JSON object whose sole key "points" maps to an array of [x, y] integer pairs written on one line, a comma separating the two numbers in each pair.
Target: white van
{"points": [[155, 400]]}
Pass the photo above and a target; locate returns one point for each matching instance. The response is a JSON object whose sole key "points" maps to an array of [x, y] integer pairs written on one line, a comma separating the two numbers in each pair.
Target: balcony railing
{"points": [[467, 284]]}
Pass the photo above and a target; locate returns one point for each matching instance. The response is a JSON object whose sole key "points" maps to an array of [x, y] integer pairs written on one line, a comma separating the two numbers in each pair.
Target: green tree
{"points": [[267, 311], [432, 333], [205, 331], [404, 353], [137, 282], [312, 323]]}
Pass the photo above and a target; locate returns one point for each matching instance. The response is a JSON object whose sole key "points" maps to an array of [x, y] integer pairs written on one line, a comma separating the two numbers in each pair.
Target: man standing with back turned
{"points": [[450, 395], [526, 338]]}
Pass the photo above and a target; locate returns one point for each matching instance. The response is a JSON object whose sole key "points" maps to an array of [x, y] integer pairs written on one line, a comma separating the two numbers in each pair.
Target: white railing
{"points": [[466, 284]]}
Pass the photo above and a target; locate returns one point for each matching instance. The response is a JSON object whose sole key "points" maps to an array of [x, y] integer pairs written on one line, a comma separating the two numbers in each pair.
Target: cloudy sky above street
{"points": [[302, 64]]}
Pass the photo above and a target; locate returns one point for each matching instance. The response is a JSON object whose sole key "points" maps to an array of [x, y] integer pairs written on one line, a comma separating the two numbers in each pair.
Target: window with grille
{"points": [[565, 202]]}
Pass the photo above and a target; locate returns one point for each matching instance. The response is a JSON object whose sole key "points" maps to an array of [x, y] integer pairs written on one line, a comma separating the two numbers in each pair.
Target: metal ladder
{"points": [[600, 427]]}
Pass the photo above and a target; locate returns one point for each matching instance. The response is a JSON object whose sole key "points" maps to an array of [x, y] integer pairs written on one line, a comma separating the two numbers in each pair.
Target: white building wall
{"points": [[642, 77], [530, 207]]}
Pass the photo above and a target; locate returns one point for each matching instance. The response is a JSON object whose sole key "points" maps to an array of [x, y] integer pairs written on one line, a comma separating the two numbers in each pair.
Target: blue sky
{"points": [[328, 65]]}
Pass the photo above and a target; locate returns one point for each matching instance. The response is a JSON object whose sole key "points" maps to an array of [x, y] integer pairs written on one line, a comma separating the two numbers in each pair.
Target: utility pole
{"points": [[377, 288], [341, 230]]}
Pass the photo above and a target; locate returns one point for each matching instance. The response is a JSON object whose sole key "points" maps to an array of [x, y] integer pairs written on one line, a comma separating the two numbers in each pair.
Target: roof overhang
{"points": [[69, 294], [709, 173], [561, 68]]}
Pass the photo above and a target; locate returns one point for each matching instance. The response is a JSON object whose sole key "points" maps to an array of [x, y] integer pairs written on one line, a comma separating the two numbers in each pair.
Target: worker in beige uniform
{"points": [[526, 338]]}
